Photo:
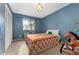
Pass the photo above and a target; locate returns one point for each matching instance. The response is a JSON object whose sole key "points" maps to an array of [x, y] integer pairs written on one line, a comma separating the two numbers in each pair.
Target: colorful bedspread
{"points": [[39, 42]]}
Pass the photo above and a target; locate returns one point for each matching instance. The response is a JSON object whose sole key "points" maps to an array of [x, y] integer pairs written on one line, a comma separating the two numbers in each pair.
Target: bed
{"points": [[38, 42]]}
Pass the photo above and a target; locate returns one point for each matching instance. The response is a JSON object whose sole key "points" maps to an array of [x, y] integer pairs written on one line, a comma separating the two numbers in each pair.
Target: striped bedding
{"points": [[39, 42]]}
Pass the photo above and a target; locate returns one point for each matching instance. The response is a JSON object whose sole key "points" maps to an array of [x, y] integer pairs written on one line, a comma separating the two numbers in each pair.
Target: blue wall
{"points": [[2, 31], [63, 19], [18, 25]]}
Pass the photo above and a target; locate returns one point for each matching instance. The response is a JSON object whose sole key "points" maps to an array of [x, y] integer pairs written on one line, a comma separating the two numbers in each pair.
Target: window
{"points": [[26, 25], [29, 25]]}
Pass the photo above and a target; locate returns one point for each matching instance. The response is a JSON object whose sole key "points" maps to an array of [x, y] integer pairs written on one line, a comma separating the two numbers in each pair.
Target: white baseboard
{"points": [[18, 39], [4, 53]]}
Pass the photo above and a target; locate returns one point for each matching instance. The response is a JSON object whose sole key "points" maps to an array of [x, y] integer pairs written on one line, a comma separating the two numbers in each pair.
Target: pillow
{"points": [[49, 32], [53, 31]]}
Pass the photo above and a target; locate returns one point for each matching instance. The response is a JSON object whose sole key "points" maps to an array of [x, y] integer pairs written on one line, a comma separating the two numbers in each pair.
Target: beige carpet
{"points": [[17, 48], [20, 48]]}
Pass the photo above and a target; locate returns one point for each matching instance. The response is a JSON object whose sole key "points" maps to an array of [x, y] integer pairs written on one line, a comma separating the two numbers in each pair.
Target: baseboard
{"points": [[4, 53], [18, 39]]}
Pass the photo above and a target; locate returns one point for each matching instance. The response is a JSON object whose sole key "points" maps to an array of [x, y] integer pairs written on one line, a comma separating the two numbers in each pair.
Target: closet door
{"points": [[8, 27]]}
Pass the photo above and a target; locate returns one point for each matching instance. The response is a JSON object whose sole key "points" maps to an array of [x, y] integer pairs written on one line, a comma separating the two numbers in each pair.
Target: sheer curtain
{"points": [[28, 25]]}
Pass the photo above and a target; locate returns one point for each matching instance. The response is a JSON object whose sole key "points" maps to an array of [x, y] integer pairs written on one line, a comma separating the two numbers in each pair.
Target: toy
{"points": [[72, 41]]}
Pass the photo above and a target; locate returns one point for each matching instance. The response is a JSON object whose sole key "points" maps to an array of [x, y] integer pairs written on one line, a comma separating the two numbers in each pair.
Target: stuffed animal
{"points": [[73, 42]]}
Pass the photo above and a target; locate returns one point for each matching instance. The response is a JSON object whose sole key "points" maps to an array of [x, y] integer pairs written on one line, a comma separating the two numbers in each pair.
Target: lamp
{"points": [[39, 6]]}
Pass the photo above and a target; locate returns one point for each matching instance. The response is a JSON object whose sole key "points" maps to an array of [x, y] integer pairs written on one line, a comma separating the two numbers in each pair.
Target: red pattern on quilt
{"points": [[40, 42]]}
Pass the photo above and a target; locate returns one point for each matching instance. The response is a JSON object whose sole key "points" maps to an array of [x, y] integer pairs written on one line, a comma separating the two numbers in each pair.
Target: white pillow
{"points": [[53, 31]]}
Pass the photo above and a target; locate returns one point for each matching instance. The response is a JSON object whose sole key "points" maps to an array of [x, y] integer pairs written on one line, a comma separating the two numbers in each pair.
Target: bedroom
{"points": [[19, 21]]}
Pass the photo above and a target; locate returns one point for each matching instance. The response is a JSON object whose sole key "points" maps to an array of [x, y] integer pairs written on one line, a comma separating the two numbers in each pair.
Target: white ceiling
{"points": [[30, 10]]}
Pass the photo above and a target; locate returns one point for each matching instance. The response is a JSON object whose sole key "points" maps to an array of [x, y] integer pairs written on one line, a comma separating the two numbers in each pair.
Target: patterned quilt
{"points": [[39, 42]]}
